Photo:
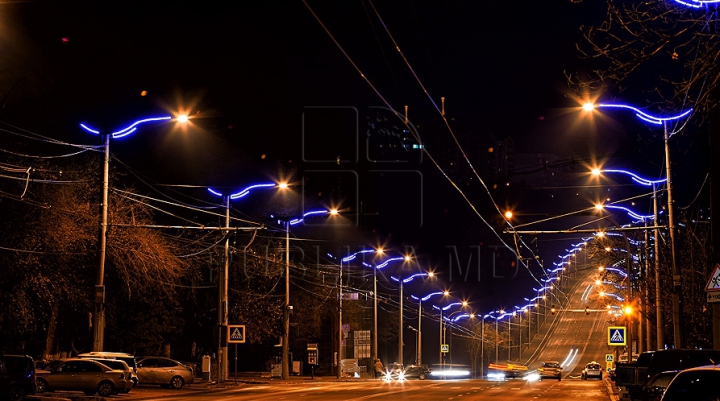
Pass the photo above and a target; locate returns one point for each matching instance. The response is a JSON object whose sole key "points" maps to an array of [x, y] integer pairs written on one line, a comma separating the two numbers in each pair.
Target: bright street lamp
{"points": [[442, 325], [401, 328], [222, 359], [420, 301], [677, 286], [291, 221], [99, 312]]}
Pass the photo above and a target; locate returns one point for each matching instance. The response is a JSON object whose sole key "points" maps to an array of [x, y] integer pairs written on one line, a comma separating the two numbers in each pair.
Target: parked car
{"points": [[417, 372], [631, 377], [17, 377], [123, 356], [592, 369], [694, 384], [164, 371], [550, 369], [77, 374], [117, 364], [655, 387]]}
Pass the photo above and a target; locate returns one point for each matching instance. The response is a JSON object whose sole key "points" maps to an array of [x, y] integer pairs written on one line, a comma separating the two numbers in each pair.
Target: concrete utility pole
{"points": [[677, 283], [715, 205]]}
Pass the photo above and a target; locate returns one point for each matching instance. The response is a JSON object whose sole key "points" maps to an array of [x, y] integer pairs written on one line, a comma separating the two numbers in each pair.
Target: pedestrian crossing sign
{"points": [[714, 283], [236, 333], [617, 335]]}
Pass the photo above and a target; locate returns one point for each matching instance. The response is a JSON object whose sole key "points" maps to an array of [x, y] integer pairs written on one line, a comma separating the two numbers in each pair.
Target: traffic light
{"points": [[587, 311], [552, 309]]}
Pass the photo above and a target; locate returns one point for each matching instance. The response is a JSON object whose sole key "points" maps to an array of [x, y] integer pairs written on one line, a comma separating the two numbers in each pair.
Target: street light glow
{"points": [[182, 118], [588, 106]]}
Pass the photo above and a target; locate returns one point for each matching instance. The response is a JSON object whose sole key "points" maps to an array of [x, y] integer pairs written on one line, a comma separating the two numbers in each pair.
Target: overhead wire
{"points": [[516, 251]]}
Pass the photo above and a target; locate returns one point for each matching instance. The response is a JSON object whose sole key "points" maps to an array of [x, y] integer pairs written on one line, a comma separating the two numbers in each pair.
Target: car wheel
{"points": [[584, 377], [41, 386], [559, 378], [421, 376], [105, 389], [176, 382], [16, 394]]}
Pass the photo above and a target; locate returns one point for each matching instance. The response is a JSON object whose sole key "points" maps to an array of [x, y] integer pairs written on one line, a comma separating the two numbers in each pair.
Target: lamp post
{"points": [[222, 359], [677, 286], [291, 221], [420, 301], [99, 311], [659, 321], [442, 325], [402, 282], [450, 319]]}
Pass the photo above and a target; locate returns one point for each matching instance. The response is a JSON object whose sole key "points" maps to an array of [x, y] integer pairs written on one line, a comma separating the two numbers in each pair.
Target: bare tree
{"points": [[668, 49]]}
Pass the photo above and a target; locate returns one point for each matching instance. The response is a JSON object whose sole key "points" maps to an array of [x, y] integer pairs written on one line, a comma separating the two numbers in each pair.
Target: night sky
{"points": [[249, 71]]}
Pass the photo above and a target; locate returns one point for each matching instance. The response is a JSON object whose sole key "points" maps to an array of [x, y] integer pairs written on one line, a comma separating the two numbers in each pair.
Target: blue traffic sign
{"points": [[617, 335]]}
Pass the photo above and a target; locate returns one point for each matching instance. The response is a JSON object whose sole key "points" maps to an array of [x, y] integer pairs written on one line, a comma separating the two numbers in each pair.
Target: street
{"points": [[568, 389]]}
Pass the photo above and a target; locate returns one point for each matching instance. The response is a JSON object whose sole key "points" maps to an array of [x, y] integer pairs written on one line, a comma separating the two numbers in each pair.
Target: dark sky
{"points": [[249, 71]]}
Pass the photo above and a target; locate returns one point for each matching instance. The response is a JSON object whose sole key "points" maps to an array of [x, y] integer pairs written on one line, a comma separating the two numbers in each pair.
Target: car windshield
{"points": [[593, 366], [661, 380]]}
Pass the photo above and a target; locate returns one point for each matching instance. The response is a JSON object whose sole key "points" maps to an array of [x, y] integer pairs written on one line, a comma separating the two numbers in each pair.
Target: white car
{"points": [[592, 369]]}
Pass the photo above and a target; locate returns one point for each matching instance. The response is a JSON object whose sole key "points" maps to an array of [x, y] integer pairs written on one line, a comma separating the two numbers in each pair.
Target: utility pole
{"points": [[677, 283], [659, 320], [715, 205]]}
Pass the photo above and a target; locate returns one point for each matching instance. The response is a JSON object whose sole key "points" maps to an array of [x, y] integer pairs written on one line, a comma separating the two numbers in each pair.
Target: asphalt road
{"points": [[510, 390], [577, 338]]}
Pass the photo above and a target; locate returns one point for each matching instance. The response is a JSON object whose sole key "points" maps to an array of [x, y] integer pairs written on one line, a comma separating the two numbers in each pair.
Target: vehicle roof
{"points": [[99, 353], [106, 359], [551, 362], [140, 358], [705, 367], [73, 359]]}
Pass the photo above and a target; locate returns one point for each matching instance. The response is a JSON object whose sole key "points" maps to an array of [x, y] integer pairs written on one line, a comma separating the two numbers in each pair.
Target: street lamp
{"points": [[291, 221], [442, 326], [420, 301], [659, 321], [222, 360], [99, 312], [449, 318], [402, 282], [677, 286]]}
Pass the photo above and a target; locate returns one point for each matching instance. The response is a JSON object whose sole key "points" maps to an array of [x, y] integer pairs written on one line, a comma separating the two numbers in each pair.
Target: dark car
{"points": [[17, 377], [417, 372], [655, 387], [632, 377], [694, 384]]}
